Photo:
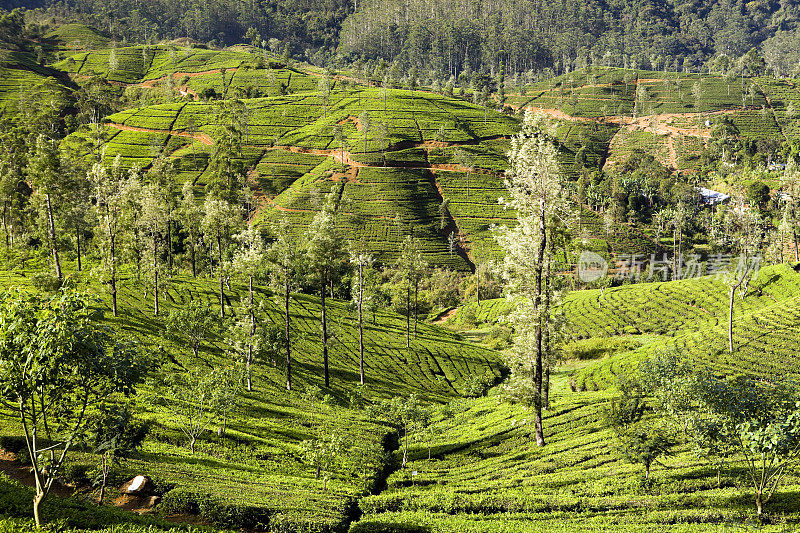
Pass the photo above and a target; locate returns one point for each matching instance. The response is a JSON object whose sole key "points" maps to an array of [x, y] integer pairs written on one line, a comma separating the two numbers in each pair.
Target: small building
{"points": [[712, 198]]}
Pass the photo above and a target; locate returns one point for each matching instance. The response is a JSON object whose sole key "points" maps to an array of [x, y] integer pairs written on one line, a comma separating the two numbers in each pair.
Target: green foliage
{"points": [[191, 324]]}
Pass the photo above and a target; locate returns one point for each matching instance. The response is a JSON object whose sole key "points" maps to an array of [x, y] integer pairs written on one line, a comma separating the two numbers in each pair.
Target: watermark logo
{"points": [[591, 266], [640, 267]]}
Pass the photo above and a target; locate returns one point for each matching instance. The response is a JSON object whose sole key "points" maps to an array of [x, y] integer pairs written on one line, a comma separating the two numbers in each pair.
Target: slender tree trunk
{"points": [[78, 244], [286, 331], [416, 305], [408, 314], [548, 348], [730, 319], [51, 230], [361, 321], [37, 502], [169, 245], [5, 225], [221, 279], [538, 371], [113, 239], [252, 333], [324, 333], [674, 253], [104, 471], [796, 248], [478, 282], [194, 257], [155, 275]]}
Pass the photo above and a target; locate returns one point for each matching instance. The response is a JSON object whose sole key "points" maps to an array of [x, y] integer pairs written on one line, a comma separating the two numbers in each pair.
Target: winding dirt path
{"points": [[10, 465]]}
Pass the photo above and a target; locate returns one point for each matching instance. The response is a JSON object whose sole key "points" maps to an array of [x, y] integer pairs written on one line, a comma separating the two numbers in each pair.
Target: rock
{"points": [[139, 485], [153, 501]]}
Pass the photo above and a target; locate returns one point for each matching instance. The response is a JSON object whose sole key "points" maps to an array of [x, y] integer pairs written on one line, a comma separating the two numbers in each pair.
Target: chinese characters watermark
{"points": [[642, 267]]}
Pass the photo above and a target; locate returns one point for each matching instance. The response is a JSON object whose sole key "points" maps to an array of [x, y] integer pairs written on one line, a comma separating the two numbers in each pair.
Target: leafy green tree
{"points": [[362, 261], [78, 212], [50, 179], [642, 440], [163, 173], [199, 398], [152, 222], [253, 338], [114, 434], [108, 192], [56, 365], [405, 413], [540, 198], [226, 163], [220, 220], [249, 257], [790, 186], [366, 122], [743, 235], [413, 268], [324, 91], [14, 191], [327, 259], [283, 262], [191, 324], [133, 238], [191, 219], [322, 454], [227, 381], [762, 422], [248, 261]]}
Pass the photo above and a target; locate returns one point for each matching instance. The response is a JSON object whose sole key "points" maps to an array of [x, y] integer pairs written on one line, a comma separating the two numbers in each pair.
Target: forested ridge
{"points": [[462, 35], [455, 37]]}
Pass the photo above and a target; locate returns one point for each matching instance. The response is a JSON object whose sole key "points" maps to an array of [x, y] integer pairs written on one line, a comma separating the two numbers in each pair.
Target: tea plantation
{"points": [[255, 472], [477, 469], [395, 159]]}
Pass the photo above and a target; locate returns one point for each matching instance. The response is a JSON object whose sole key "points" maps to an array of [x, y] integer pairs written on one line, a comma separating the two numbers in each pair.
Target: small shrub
{"points": [[76, 473], [476, 386]]}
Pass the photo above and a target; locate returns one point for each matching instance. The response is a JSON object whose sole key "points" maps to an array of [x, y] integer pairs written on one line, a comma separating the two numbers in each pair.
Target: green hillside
{"points": [[256, 469], [442, 437], [19, 73], [78, 36], [484, 475], [409, 167], [688, 316]]}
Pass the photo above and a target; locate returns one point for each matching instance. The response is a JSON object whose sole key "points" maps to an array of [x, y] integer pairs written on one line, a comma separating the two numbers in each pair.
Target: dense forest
{"points": [[298, 24], [454, 37], [462, 35]]}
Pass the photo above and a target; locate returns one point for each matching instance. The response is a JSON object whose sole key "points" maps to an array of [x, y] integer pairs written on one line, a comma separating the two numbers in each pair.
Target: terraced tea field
{"points": [[398, 169], [485, 475], [258, 464]]}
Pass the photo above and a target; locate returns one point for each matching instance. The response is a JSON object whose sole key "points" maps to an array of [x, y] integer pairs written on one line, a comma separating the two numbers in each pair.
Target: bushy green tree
{"points": [[642, 440], [412, 267], [191, 324], [220, 219], [326, 260], [541, 199], [56, 364], [283, 263]]}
